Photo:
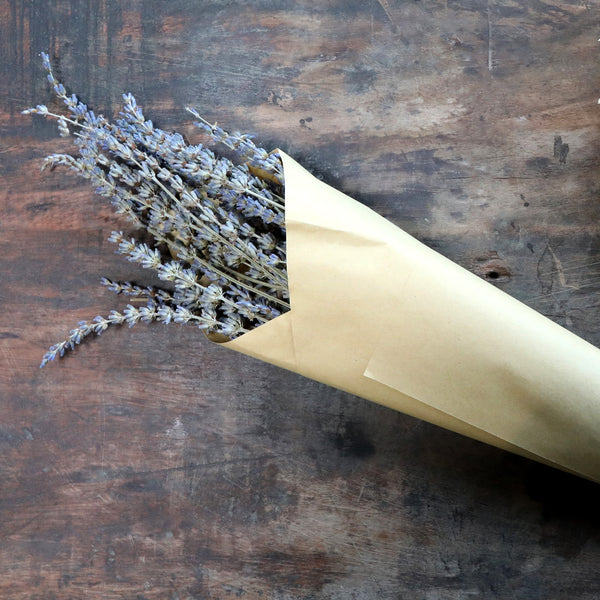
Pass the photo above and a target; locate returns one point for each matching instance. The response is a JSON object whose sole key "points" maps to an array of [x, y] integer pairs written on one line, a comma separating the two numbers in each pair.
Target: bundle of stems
{"points": [[217, 224]]}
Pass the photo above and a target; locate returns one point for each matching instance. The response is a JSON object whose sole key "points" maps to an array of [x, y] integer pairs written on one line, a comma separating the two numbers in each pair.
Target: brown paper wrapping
{"points": [[376, 313]]}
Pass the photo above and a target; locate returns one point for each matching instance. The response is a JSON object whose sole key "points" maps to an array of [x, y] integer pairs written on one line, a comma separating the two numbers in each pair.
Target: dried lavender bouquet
{"points": [[373, 311], [217, 226]]}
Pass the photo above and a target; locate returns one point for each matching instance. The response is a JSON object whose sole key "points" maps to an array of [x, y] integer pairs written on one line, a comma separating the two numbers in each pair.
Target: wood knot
{"points": [[492, 267]]}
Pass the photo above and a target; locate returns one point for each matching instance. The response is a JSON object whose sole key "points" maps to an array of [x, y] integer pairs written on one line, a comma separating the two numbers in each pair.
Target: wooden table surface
{"points": [[151, 464]]}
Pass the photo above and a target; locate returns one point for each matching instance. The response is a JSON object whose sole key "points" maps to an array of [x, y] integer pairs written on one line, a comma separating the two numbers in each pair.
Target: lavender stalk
{"points": [[218, 226]]}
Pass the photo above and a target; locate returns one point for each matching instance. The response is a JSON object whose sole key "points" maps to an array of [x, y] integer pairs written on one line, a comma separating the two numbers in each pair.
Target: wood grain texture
{"points": [[151, 464]]}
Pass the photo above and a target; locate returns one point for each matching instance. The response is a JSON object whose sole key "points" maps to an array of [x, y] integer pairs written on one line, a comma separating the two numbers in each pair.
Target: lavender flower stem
{"points": [[223, 221]]}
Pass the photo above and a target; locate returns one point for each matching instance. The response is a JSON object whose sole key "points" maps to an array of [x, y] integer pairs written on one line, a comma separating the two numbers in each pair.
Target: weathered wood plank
{"points": [[152, 464]]}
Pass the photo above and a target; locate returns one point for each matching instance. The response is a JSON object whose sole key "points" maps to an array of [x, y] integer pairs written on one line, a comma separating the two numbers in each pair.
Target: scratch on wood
{"points": [[559, 268], [388, 11], [490, 49], [362, 489], [560, 271]]}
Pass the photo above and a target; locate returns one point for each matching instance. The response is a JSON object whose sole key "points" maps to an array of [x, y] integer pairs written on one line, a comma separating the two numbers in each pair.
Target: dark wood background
{"points": [[153, 465]]}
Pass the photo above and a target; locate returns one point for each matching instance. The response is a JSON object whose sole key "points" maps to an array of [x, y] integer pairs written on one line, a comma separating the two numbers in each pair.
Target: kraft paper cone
{"points": [[376, 313]]}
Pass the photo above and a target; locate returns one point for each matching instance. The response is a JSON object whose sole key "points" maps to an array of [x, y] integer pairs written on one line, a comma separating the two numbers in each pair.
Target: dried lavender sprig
{"points": [[87, 120], [81, 113], [132, 315], [241, 143], [240, 250], [150, 258], [183, 159], [180, 153], [233, 242], [130, 289], [229, 273], [188, 290]]}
